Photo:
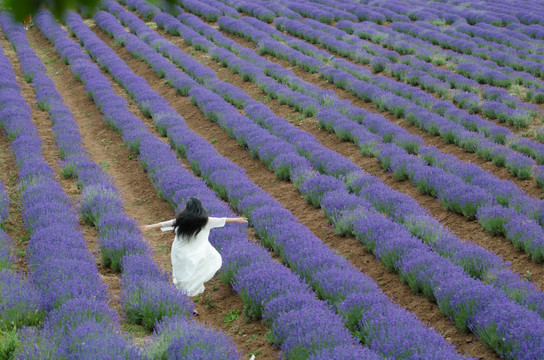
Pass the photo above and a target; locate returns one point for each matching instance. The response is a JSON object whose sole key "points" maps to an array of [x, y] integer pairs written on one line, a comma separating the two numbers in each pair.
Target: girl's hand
{"points": [[241, 220], [146, 228]]}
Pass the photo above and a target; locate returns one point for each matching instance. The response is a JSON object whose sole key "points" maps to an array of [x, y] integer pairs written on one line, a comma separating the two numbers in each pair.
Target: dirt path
{"points": [[9, 175], [14, 224], [289, 197], [142, 203]]}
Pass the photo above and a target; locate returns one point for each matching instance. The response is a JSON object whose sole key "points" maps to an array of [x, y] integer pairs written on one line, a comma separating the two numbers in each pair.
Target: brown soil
{"points": [[141, 202], [10, 180], [501, 172], [289, 197], [14, 223]]}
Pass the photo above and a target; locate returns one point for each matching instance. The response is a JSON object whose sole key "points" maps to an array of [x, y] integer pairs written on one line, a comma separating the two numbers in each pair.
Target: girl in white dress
{"points": [[194, 259]]}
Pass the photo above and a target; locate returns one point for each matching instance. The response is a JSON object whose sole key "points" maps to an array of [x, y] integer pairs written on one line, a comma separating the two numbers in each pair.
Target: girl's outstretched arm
{"points": [[158, 225], [242, 220]]}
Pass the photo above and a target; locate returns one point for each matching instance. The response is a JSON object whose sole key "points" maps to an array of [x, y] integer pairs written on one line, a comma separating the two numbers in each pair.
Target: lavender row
{"points": [[508, 13], [441, 13], [504, 191], [318, 13], [278, 9], [523, 145], [522, 24], [506, 37], [253, 273], [207, 104], [202, 9], [263, 10], [61, 270], [363, 12], [495, 14], [314, 188], [212, 10], [408, 47], [383, 198]]}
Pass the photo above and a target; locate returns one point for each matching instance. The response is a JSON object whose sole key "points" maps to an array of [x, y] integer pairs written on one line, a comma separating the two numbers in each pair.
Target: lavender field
{"points": [[389, 156]]}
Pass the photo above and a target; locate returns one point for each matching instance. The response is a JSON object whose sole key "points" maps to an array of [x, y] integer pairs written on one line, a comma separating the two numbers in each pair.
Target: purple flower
{"points": [[176, 338], [21, 303]]}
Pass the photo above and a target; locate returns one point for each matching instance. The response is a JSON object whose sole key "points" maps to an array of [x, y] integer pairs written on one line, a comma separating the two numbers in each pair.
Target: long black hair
{"points": [[191, 220]]}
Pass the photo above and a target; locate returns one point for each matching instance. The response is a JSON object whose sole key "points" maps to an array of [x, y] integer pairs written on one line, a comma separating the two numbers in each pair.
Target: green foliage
{"points": [[9, 340], [22, 8], [68, 171], [252, 311], [231, 316]]}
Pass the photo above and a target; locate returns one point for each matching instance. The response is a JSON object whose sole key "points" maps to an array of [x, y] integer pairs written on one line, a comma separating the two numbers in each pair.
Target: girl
{"points": [[194, 259]]}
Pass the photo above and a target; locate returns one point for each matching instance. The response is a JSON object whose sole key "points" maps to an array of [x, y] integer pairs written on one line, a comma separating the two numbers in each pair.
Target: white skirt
{"points": [[191, 268]]}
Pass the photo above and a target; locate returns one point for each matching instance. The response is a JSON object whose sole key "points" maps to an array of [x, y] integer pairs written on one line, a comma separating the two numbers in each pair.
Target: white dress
{"points": [[195, 261]]}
